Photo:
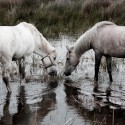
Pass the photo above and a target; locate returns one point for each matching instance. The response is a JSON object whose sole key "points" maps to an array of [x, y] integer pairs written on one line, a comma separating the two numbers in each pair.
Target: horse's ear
{"points": [[68, 49]]}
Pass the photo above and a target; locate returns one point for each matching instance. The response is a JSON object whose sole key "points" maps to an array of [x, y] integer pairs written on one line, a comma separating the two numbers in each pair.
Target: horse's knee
{"points": [[96, 79], [110, 77], [23, 73], [6, 73], [22, 68], [6, 80]]}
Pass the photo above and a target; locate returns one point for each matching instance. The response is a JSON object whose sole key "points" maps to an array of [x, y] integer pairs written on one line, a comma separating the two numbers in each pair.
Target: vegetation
{"points": [[53, 17]]}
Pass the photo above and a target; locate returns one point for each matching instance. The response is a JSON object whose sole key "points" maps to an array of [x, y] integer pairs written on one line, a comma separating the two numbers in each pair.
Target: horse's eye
{"points": [[68, 59], [54, 58]]}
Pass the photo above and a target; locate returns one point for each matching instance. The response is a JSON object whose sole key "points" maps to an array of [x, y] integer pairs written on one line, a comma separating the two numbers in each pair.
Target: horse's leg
{"points": [[27, 59], [22, 69], [98, 57], [6, 75], [109, 67]]}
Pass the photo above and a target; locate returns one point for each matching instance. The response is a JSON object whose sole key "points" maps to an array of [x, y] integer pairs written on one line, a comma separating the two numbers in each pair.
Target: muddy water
{"points": [[73, 100]]}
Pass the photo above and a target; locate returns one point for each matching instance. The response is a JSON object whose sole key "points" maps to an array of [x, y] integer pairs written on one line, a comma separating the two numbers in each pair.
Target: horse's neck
{"points": [[42, 46], [83, 43], [46, 47]]}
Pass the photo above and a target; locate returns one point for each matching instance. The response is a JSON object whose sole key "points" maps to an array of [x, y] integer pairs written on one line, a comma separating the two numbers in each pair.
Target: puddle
{"points": [[69, 100]]}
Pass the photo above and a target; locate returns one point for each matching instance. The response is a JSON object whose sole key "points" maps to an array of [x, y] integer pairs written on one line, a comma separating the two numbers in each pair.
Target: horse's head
{"points": [[49, 63], [71, 61]]}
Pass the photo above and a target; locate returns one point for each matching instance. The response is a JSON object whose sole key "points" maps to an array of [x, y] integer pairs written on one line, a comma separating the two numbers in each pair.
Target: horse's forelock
{"points": [[72, 48]]}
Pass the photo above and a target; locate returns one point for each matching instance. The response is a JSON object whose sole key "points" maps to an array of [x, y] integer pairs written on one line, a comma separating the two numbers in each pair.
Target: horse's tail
{"points": [[103, 23]]}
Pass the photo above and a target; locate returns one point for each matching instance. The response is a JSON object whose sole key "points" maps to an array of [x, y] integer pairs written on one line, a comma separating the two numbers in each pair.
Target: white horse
{"points": [[18, 43], [105, 38]]}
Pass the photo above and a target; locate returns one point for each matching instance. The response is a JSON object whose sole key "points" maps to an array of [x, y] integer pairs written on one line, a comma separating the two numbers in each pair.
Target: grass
{"points": [[53, 17]]}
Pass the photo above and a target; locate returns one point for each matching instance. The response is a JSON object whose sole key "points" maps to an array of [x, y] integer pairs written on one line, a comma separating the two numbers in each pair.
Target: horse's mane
{"points": [[33, 30], [102, 24]]}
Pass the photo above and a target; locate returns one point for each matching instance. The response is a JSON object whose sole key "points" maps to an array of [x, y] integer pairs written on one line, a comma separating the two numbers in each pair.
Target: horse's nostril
{"points": [[67, 73], [53, 73]]}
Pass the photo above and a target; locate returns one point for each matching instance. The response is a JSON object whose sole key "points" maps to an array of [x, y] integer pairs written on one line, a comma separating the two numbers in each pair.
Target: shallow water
{"points": [[73, 100]]}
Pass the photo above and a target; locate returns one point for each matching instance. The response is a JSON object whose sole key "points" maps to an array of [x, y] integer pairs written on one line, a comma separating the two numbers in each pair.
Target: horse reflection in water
{"points": [[106, 39], [96, 115], [18, 43], [24, 114], [24, 111], [7, 117]]}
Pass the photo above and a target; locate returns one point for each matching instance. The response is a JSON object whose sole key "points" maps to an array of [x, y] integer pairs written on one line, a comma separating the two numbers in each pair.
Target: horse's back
{"points": [[15, 40], [6, 38], [112, 33], [111, 40], [9, 33], [5, 32]]}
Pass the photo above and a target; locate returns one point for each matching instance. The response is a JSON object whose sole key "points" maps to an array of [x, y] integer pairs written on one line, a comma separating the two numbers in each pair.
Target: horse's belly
{"points": [[21, 54], [110, 50], [116, 52], [17, 56]]}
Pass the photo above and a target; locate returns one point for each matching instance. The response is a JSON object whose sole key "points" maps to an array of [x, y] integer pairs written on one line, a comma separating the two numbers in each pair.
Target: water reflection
{"points": [[48, 102], [112, 95], [6, 118], [25, 114], [100, 114]]}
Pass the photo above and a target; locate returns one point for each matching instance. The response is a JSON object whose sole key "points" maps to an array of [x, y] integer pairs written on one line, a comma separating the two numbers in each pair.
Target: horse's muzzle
{"points": [[53, 73], [67, 73]]}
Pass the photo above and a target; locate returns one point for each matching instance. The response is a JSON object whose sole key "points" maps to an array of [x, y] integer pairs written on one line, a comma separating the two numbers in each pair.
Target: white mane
{"points": [[46, 47]]}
